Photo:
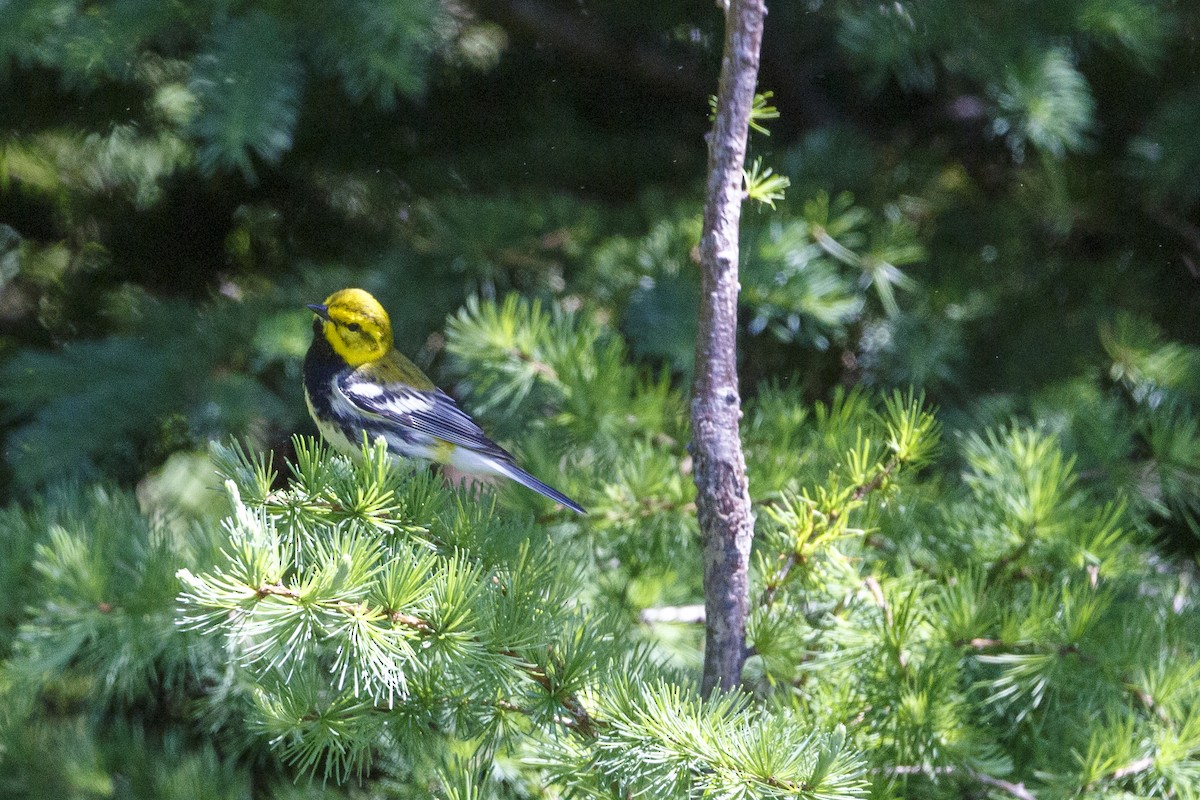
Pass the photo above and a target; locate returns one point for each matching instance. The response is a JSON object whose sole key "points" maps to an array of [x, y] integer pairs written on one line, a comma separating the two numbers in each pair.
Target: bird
{"points": [[356, 382]]}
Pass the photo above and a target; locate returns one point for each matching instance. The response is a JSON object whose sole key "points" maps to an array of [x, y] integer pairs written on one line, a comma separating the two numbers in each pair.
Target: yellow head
{"points": [[356, 326]]}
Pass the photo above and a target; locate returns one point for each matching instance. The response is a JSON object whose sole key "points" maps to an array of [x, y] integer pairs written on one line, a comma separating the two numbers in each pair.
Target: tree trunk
{"points": [[723, 499]]}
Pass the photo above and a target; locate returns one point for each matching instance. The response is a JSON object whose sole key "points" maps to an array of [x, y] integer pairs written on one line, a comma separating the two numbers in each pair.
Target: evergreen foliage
{"points": [[242, 72], [914, 632], [972, 425]]}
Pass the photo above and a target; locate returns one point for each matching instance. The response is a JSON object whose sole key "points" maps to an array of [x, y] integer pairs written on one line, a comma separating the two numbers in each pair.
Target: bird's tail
{"points": [[513, 472]]}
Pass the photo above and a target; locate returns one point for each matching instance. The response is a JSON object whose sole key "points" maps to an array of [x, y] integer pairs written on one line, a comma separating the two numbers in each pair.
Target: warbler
{"points": [[355, 381]]}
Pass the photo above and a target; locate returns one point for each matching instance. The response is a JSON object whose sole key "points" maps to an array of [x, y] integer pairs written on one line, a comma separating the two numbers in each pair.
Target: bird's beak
{"points": [[320, 310]]}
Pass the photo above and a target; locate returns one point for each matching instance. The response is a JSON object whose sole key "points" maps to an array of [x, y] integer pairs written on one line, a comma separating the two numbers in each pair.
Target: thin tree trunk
{"points": [[723, 499]]}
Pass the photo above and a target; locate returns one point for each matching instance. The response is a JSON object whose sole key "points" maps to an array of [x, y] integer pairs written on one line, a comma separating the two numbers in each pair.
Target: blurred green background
{"points": [[989, 200]]}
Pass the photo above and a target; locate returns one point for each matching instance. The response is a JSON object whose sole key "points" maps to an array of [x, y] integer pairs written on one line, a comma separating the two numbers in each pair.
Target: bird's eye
{"points": [[354, 326]]}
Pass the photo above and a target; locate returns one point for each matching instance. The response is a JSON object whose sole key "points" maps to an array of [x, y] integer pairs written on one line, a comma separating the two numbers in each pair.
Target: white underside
{"points": [[465, 460]]}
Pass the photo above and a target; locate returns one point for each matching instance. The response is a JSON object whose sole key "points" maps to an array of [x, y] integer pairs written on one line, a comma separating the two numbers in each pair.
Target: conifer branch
{"points": [[722, 493], [579, 719], [398, 617], [860, 493]]}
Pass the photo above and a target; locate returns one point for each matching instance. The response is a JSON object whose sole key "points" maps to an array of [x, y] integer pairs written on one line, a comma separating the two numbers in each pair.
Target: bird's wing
{"points": [[428, 411]]}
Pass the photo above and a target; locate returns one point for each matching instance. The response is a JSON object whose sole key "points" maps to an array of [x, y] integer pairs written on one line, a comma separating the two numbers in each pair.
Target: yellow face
{"points": [[356, 326]]}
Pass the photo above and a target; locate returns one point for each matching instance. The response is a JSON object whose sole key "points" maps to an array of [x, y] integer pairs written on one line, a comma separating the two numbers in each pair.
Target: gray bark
{"points": [[723, 499]]}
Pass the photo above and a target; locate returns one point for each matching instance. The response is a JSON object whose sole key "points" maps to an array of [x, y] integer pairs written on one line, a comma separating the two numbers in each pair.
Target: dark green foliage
{"points": [[249, 88], [170, 378], [969, 357], [90, 630], [98, 594], [244, 71]]}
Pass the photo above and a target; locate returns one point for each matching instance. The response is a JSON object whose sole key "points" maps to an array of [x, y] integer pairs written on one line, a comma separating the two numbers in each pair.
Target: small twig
{"points": [[1017, 790], [781, 575], [917, 769], [1011, 557], [872, 584], [981, 643], [1134, 767], [778, 579], [543, 369], [579, 720], [681, 614], [410, 621], [277, 590], [877, 481], [1147, 699], [398, 617], [1061, 650]]}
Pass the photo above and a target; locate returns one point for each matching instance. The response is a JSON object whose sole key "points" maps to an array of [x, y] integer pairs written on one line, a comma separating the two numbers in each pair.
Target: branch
{"points": [[722, 493], [1017, 790], [683, 614], [1133, 768], [578, 720], [776, 581]]}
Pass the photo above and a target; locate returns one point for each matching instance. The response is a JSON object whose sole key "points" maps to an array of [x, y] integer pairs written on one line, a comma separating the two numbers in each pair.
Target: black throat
{"points": [[321, 365]]}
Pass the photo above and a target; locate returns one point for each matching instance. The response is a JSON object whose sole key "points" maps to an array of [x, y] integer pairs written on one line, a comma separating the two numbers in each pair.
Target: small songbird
{"points": [[355, 381]]}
